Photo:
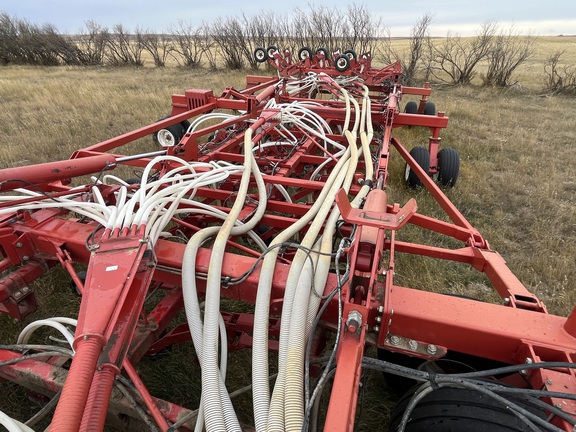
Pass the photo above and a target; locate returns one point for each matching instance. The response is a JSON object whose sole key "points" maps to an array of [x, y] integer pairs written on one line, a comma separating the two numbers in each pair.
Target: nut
{"points": [[354, 321]]}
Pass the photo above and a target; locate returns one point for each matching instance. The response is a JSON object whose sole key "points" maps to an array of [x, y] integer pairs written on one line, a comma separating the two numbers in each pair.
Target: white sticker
{"points": [[112, 268]]}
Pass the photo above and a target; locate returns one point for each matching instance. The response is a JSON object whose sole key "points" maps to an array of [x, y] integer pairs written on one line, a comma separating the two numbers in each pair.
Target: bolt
{"points": [[85, 337], [394, 340], [380, 309], [25, 290], [17, 294], [548, 381], [18, 245], [25, 258], [528, 360], [143, 240], [412, 344], [559, 405], [431, 349], [376, 328], [506, 301], [354, 321], [94, 247], [150, 264], [378, 319], [360, 181]]}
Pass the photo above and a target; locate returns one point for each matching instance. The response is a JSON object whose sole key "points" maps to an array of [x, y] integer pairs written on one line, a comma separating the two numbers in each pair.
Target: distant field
{"points": [[517, 184]]}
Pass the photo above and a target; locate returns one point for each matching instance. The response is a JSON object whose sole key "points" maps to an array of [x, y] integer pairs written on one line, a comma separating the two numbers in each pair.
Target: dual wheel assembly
{"points": [[448, 168]]}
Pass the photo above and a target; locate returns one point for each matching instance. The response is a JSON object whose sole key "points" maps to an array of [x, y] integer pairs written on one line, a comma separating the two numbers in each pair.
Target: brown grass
{"points": [[517, 184]]}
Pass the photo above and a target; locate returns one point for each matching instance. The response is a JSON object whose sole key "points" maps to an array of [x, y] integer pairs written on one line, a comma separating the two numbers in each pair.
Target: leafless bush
{"points": [[158, 46], [559, 78], [333, 29], [92, 43], [412, 61], [322, 27], [26, 43], [363, 29], [123, 48], [9, 50], [455, 58], [190, 44], [230, 37], [509, 50], [315, 27]]}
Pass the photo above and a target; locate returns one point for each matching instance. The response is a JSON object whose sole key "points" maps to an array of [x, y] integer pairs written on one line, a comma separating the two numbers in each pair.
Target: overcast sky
{"points": [[550, 17]]}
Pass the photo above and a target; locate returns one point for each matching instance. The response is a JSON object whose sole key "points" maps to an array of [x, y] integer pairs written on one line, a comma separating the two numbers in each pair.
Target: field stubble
{"points": [[517, 186]]}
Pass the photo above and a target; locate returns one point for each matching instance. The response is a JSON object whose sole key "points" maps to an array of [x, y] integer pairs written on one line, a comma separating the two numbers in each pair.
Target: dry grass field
{"points": [[517, 183]]}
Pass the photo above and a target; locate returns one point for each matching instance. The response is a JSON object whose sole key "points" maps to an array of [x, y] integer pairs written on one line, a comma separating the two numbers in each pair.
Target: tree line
{"points": [[230, 42]]}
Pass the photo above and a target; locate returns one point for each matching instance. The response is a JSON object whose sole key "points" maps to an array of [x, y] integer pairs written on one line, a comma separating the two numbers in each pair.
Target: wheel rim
{"points": [[406, 172], [304, 55], [342, 64], [166, 138], [260, 55]]}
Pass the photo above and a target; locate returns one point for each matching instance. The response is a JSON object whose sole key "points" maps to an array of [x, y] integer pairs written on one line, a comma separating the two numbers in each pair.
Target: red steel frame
{"points": [[114, 333]]}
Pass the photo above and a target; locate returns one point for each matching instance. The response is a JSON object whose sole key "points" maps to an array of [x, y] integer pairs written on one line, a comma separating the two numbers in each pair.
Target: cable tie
{"points": [[432, 379]]}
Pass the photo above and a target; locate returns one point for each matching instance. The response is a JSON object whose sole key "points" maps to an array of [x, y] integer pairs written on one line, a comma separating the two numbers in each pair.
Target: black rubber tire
{"points": [[133, 181], [304, 53], [456, 409], [342, 63], [351, 54], [430, 109], [185, 125], [270, 51], [260, 55], [422, 157], [169, 136], [323, 51], [411, 108], [448, 167]]}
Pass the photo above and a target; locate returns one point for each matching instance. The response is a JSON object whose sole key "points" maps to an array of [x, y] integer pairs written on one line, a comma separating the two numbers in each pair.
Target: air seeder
{"points": [[274, 196]]}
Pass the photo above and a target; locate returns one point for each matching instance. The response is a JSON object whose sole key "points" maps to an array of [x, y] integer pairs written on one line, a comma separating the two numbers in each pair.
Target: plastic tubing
{"points": [[13, 425], [261, 390], [210, 376], [55, 323], [295, 326], [179, 187], [191, 304], [223, 366], [211, 116], [157, 222], [221, 215], [298, 281]]}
